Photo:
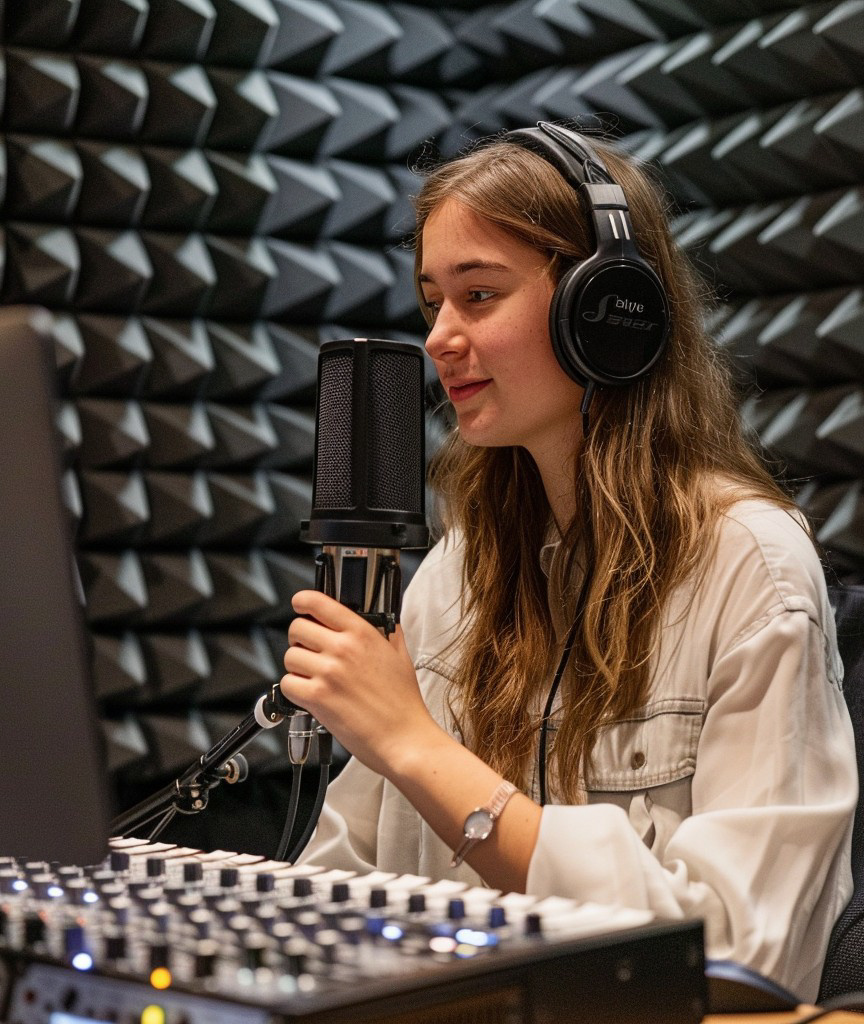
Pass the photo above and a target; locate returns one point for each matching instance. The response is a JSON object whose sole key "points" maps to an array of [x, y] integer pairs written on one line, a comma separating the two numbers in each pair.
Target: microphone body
{"points": [[368, 491]]}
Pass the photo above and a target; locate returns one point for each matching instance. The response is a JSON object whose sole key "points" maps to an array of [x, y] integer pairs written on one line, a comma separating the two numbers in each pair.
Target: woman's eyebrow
{"points": [[466, 267]]}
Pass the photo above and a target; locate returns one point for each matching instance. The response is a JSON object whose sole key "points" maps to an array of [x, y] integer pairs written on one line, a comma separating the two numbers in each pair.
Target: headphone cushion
{"points": [[609, 321]]}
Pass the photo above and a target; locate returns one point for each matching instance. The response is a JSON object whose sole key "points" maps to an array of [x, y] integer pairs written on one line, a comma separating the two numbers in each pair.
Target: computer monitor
{"points": [[54, 792]]}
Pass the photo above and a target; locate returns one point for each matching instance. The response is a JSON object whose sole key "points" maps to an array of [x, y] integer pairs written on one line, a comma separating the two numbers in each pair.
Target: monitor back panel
{"points": [[53, 783]]}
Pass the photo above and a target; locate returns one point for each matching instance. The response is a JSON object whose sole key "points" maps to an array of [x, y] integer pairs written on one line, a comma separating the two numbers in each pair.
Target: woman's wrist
{"points": [[415, 752]]}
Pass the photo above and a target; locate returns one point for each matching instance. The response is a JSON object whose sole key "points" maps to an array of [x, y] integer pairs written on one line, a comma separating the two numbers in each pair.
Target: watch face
{"points": [[478, 824]]}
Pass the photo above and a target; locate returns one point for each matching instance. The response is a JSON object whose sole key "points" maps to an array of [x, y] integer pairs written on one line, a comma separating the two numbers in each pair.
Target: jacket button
{"points": [[637, 760]]}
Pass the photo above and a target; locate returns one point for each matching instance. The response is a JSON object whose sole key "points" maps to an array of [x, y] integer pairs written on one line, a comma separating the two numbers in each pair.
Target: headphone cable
{"points": [[590, 388], [547, 711]]}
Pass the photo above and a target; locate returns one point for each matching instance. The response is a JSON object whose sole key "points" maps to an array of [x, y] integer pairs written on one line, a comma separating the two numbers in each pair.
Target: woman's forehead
{"points": [[456, 238]]}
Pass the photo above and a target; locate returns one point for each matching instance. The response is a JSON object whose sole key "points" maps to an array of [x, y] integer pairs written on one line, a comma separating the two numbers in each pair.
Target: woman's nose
{"points": [[446, 338]]}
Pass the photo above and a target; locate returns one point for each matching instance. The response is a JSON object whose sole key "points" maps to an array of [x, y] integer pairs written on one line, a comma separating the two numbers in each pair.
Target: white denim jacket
{"points": [[728, 797]]}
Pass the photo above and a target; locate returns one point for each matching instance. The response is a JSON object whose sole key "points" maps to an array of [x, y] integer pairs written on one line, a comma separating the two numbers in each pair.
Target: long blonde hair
{"points": [[645, 485]]}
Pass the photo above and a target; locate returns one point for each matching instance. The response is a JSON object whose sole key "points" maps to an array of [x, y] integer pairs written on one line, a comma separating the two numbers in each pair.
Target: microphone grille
{"points": [[370, 467], [334, 478], [396, 453]]}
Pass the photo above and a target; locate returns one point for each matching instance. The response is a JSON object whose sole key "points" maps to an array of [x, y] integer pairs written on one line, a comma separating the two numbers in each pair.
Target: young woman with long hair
{"points": [[622, 641]]}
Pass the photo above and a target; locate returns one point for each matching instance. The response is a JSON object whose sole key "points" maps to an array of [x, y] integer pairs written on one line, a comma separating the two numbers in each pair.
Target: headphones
{"points": [[609, 317]]}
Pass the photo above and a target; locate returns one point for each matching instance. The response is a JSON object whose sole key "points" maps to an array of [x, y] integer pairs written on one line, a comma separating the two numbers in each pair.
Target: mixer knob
{"points": [[115, 945], [119, 861], [11, 881], [295, 951], [206, 952], [201, 921], [265, 882], [229, 877], [110, 889], [155, 867], [353, 929], [73, 940], [497, 917], [193, 871], [267, 917], [416, 903], [159, 956], [34, 929], [375, 924], [145, 894], [102, 877], [184, 901], [227, 908], [533, 924], [377, 898], [175, 892], [328, 942], [456, 909], [251, 902], [340, 892], [308, 921], [302, 887], [120, 907], [255, 951], [241, 925], [159, 913], [80, 893], [45, 887]]}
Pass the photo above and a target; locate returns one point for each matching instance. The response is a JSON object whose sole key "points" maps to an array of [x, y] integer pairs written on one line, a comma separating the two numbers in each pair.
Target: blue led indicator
{"points": [[82, 961], [472, 937]]}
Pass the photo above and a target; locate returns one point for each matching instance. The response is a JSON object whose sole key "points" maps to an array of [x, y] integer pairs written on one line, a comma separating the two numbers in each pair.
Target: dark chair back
{"points": [[844, 963]]}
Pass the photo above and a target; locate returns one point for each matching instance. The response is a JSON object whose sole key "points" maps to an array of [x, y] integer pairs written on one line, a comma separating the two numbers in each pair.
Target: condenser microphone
{"points": [[368, 490]]}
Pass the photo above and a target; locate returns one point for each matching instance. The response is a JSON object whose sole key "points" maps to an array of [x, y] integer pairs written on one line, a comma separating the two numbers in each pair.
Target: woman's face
{"points": [[489, 293]]}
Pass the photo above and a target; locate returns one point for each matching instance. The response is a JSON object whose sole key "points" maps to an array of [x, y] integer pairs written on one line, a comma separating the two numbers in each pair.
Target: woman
{"points": [[622, 643]]}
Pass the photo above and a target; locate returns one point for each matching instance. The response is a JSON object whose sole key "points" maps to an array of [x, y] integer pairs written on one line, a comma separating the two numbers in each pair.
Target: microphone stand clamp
{"points": [[189, 793]]}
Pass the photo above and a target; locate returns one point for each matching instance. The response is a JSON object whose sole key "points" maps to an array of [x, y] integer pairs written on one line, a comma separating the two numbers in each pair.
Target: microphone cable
{"points": [[291, 812], [324, 756]]}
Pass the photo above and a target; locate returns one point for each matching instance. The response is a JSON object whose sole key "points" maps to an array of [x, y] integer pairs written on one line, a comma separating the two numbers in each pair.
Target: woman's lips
{"points": [[461, 392]]}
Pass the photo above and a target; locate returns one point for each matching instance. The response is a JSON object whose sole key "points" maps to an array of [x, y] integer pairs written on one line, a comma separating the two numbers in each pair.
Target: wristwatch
{"points": [[480, 822]]}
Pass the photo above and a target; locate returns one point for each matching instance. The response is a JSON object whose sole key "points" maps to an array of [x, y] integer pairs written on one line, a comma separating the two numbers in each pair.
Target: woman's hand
{"points": [[360, 685]]}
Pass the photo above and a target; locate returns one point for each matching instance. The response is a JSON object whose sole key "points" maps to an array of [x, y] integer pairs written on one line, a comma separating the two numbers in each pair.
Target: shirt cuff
{"points": [[588, 852]]}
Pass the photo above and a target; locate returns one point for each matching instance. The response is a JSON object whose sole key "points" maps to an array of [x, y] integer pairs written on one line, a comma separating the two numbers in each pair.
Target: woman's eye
{"points": [[479, 295], [431, 309]]}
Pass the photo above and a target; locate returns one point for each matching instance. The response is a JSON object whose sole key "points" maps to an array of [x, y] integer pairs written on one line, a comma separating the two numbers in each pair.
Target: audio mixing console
{"points": [[160, 934]]}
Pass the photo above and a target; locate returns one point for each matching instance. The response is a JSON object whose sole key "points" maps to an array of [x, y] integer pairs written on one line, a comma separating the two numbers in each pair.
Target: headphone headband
{"points": [[570, 153]]}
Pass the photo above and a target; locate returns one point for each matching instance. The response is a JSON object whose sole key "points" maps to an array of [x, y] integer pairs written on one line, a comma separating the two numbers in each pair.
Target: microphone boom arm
{"points": [[189, 792]]}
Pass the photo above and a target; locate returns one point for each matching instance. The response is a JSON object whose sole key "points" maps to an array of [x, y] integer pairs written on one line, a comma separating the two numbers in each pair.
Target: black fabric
{"points": [[844, 963]]}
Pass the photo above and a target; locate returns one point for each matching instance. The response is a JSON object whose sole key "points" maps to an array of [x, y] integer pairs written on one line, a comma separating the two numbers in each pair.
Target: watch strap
{"points": [[493, 807]]}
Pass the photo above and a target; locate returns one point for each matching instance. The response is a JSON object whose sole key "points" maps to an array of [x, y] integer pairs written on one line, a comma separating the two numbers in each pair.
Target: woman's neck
{"points": [[557, 471]]}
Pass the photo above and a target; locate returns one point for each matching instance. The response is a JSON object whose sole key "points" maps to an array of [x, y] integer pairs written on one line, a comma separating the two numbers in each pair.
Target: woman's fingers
{"points": [[305, 632], [323, 609]]}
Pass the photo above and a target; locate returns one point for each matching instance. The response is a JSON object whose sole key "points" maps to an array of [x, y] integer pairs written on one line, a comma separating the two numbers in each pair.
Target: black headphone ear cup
{"points": [[608, 321]]}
